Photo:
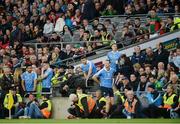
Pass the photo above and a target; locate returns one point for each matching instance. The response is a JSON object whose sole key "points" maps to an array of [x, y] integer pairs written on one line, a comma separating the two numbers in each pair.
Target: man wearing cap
{"points": [[114, 56], [154, 100]]}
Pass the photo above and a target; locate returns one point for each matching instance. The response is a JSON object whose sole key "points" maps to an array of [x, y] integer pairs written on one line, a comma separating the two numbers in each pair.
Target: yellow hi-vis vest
{"points": [[102, 99], [119, 94], [168, 101], [105, 39], [8, 99], [47, 111], [130, 108], [91, 102]]}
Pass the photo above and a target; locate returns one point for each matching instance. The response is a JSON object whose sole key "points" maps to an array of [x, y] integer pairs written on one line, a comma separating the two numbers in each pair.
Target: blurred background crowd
{"points": [[38, 69]]}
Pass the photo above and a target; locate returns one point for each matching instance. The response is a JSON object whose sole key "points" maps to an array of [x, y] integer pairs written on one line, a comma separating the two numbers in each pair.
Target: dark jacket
{"points": [[138, 59], [161, 57]]}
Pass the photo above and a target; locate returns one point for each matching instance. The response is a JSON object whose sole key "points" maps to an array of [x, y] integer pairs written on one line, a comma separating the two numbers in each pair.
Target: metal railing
{"points": [[78, 42], [73, 59]]}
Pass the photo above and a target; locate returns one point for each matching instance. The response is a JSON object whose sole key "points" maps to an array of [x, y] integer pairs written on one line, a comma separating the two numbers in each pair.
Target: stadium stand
{"points": [[112, 58]]}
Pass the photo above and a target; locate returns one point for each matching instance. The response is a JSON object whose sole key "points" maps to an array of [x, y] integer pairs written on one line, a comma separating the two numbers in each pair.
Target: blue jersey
{"points": [[106, 77], [46, 82], [90, 64], [113, 57], [28, 79]]}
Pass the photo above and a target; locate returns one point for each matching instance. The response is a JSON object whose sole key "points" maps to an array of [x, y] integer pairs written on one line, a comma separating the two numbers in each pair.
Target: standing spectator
{"points": [[125, 66], [155, 25], [29, 80], [138, 56], [105, 80], [46, 75], [134, 82], [161, 55], [114, 56], [6, 81], [149, 59], [88, 5]]}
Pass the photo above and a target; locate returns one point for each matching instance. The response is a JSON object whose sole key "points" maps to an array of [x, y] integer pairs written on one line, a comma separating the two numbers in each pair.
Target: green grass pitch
{"points": [[90, 121]]}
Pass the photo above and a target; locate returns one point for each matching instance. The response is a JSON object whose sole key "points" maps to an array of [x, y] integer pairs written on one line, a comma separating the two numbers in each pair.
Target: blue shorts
{"points": [[107, 92]]}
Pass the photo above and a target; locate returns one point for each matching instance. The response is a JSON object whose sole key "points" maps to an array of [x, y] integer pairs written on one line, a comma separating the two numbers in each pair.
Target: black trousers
{"points": [[152, 111], [76, 112]]}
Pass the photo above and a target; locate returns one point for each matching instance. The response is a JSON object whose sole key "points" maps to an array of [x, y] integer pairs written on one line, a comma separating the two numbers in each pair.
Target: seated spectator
{"points": [[154, 101], [67, 30], [143, 84], [127, 36], [134, 82], [176, 58], [59, 25], [42, 111], [138, 56], [16, 104], [106, 38], [100, 104], [116, 109], [24, 107], [169, 23], [83, 106], [48, 27], [69, 51], [55, 60], [170, 101], [109, 11], [131, 106], [157, 83]]}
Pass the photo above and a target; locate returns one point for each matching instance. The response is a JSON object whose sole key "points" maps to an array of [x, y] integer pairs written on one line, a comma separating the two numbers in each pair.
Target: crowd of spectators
{"points": [[35, 70], [69, 20]]}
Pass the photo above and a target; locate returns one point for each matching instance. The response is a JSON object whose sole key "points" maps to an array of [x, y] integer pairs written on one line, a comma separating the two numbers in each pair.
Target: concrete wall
{"points": [[60, 106]]}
